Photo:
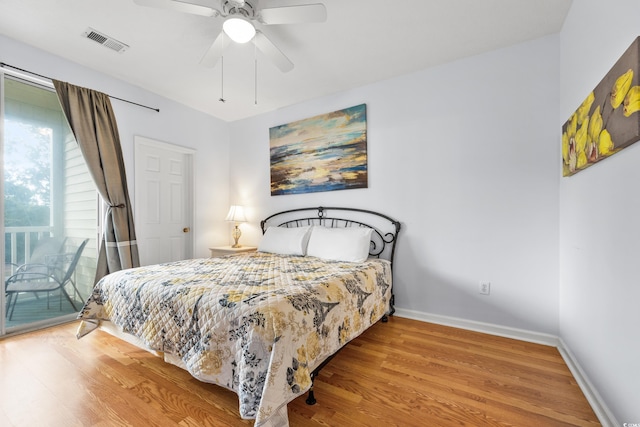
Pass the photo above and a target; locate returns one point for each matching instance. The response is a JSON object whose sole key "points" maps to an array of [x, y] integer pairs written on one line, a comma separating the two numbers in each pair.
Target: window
{"points": [[48, 195]]}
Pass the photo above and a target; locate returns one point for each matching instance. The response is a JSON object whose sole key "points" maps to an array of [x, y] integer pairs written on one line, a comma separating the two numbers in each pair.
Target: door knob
{"points": [[186, 230]]}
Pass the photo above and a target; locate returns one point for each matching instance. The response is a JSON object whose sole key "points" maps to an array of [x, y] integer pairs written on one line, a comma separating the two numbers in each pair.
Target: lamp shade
{"points": [[238, 29], [236, 214]]}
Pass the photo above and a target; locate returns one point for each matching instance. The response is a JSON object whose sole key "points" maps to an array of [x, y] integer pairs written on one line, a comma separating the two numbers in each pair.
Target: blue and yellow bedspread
{"points": [[255, 323]]}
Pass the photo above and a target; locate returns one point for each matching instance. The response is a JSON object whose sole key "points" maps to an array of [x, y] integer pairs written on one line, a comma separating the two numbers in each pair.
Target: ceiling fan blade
{"points": [[210, 59], [294, 14], [270, 50], [180, 6]]}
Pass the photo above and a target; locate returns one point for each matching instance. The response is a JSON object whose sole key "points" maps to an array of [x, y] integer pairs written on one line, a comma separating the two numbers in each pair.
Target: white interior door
{"points": [[163, 201]]}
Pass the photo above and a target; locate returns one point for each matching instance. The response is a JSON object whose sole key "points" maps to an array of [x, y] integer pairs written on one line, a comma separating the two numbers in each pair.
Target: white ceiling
{"points": [[362, 41]]}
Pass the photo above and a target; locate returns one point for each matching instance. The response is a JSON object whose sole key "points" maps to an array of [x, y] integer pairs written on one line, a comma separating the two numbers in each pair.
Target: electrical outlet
{"points": [[485, 288]]}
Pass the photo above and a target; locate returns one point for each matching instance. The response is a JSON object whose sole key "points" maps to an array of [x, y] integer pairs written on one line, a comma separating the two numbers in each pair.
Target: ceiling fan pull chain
{"points": [[222, 80], [255, 73]]}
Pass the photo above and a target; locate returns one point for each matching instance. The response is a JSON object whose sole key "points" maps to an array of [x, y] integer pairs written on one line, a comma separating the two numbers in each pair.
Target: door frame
{"points": [[139, 141], [3, 330]]}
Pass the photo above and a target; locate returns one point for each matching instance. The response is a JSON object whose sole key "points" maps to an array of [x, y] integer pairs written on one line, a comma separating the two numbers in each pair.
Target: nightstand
{"points": [[228, 250]]}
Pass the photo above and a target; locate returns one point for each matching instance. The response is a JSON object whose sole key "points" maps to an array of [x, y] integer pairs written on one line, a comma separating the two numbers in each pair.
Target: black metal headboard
{"points": [[383, 238]]}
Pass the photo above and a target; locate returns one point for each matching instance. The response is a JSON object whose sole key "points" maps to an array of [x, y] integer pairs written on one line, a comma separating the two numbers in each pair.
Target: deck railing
{"points": [[22, 239]]}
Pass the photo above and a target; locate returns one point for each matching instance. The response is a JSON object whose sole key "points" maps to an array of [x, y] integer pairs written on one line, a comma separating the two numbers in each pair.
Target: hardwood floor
{"points": [[402, 373]]}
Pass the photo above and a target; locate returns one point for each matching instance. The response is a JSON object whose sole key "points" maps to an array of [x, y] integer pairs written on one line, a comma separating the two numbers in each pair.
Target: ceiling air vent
{"points": [[105, 40]]}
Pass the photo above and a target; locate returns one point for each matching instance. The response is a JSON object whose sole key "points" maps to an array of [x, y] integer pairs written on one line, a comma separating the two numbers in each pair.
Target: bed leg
{"points": [[311, 399], [392, 309], [392, 305]]}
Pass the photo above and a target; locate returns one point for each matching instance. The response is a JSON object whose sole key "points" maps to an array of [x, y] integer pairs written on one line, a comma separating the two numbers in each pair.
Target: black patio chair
{"points": [[51, 277]]}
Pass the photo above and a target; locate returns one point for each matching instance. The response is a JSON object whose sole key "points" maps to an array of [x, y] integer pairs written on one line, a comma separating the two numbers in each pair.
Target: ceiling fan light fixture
{"points": [[238, 29]]}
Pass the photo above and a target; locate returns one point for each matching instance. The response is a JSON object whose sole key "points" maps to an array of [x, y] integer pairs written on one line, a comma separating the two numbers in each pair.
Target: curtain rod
{"points": [[2, 64]]}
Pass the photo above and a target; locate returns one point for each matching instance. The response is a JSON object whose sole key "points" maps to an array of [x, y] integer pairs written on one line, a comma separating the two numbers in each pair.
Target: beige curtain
{"points": [[94, 125]]}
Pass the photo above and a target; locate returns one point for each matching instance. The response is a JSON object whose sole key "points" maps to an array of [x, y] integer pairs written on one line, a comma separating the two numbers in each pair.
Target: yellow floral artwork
{"points": [[607, 120]]}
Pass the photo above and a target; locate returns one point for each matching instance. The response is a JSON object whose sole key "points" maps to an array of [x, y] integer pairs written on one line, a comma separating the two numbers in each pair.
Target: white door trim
{"points": [[165, 145]]}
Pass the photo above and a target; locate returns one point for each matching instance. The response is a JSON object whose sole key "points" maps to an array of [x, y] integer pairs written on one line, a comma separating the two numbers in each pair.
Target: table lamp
{"points": [[236, 215]]}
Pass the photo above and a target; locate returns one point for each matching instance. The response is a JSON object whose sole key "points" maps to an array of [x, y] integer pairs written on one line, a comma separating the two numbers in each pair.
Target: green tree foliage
{"points": [[27, 176], [27, 179]]}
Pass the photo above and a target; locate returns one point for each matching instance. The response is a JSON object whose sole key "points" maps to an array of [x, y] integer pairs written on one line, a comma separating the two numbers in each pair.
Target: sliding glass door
{"points": [[49, 213]]}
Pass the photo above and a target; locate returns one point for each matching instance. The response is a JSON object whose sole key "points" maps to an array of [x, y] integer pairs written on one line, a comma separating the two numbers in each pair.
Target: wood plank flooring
{"points": [[402, 373]]}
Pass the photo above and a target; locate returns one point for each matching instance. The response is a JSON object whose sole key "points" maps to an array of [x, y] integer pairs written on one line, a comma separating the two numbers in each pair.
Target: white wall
{"points": [[175, 124], [600, 219], [465, 156]]}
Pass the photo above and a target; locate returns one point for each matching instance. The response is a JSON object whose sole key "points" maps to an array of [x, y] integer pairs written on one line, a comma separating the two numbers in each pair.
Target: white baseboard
{"points": [[606, 418], [487, 328]]}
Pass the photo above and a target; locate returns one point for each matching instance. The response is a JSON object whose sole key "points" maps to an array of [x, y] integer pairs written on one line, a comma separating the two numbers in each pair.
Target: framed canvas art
{"points": [[322, 153], [608, 120]]}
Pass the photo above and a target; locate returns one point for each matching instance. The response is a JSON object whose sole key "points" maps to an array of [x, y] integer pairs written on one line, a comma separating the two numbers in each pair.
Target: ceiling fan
{"points": [[239, 17]]}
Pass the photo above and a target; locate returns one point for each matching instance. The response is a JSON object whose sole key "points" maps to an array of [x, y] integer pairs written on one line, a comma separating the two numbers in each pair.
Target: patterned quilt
{"points": [[255, 323]]}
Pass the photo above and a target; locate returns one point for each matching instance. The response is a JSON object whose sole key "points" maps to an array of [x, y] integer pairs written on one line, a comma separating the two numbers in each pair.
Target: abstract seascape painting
{"points": [[322, 153]]}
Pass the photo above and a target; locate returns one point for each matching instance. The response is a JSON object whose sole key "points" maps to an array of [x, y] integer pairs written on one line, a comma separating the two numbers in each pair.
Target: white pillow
{"points": [[285, 241], [341, 244]]}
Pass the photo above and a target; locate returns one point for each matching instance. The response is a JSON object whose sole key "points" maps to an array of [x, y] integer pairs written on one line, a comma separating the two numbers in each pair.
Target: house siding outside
{"points": [[80, 213]]}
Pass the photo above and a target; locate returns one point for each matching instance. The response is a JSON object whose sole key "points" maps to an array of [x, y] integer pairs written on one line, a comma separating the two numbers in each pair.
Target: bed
{"points": [[260, 323]]}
